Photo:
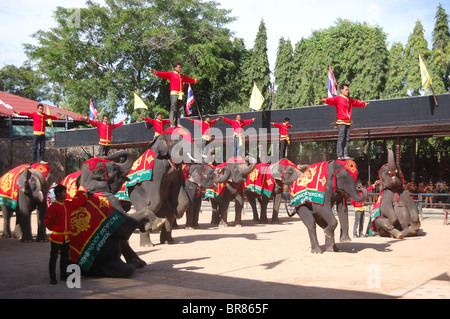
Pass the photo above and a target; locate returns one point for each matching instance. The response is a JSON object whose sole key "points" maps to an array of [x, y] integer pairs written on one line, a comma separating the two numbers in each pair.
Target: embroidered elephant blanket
{"points": [[260, 180], [90, 226], [218, 191], [70, 181], [374, 214], [310, 187], [9, 189], [141, 171]]}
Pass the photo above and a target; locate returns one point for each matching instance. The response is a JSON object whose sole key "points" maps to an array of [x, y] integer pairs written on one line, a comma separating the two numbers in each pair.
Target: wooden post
{"points": [[397, 152], [324, 150]]}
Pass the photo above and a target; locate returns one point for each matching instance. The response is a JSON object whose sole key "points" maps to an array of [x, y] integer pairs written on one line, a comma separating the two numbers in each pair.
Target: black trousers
{"points": [[55, 248], [175, 109], [343, 140], [38, 140], [283, 147], [103, 150]]}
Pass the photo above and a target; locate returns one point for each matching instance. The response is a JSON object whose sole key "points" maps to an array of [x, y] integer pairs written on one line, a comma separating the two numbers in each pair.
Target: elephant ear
{"points": [[195, 175], [277, 171]]}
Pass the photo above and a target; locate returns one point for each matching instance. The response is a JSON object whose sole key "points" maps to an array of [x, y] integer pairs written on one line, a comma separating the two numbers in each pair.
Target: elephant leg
{"points": [[190, 218], [25, 226], [252, 201], [215, 213], [308, 220], [196, 212], [130, 255], [263, 202], [276, 208], [223, 212], [380, 226], [7, 213], [413, 213], [330, 222], [390, 217], [238, 205], [41, 235], [342, 211], [165, 236]]}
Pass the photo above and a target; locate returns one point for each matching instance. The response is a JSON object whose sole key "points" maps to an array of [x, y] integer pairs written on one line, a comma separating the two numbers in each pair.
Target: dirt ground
{"points": [[255, 261]]}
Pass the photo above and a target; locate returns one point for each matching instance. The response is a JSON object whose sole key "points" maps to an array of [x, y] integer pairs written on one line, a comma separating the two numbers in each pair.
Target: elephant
{"points": [[232, 189], [104, 177], [30, 185], [282, 174], [335, 180], [201, 176], [398, 213]]}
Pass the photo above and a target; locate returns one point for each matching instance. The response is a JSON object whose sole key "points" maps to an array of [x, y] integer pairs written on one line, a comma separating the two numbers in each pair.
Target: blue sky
{"points": [[284, 18]]}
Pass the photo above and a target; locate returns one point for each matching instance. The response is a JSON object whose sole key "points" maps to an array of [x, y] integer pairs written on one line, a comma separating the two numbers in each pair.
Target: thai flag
{"points": [[92, 111], [332, 84], [190, 101]]}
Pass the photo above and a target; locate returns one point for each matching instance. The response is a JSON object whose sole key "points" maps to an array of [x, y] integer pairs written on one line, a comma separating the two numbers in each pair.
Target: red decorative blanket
{"points": [[260, 180], [9, 190], [70, 181], [91, 226]]}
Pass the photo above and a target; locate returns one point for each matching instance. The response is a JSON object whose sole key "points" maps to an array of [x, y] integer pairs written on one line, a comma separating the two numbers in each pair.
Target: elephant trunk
{"points": [[222, 178], [391, 160], [247, 169], [354, 194]]}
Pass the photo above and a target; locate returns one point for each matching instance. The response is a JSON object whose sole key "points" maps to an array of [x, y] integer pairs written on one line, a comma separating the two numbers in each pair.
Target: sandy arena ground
{"points": [[255, 261]]}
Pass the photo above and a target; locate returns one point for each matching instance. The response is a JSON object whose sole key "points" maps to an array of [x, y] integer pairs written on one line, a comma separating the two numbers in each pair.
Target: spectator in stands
{"points": [[429, 189]]}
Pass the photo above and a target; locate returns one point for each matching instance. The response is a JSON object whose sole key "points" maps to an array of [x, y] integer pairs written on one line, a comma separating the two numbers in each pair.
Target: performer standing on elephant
{"points": [[58, 220], [238, 131], [176, 89], [360, 209], [39, 118], [206, 130], [284, 135], [344, 104], [105, 131], [157, 123]]}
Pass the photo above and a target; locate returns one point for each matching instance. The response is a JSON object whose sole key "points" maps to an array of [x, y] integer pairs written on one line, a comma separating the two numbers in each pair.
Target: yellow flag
{"points": [[49, 121], [138, 103], [426, 78], [257, 99]]}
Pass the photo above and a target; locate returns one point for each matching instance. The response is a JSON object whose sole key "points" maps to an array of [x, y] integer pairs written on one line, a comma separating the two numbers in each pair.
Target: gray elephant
{"points": [[273, 179], [314, 194], [224, 193], [24, 189], [101, 228], [198, 178], [395, 214]]}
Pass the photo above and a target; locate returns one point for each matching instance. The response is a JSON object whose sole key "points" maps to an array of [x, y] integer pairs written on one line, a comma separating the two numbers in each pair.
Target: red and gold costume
{"points": [[158, 125], [238, 126], [206, 128], [57, 217], [284, 130], [176, 82], [38, 121], [105, 130], [344, 107]]}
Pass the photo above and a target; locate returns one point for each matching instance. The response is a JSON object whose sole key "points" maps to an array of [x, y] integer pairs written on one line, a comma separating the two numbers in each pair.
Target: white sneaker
{"points": [[43, 162]]}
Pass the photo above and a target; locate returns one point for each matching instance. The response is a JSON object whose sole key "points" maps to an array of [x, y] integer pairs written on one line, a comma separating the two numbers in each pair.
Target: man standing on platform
{"points": [[176, 89], [105, 131], [206, 130], [39, 119], [344, 104], [158, 123], [238, 131], [284, 135]]}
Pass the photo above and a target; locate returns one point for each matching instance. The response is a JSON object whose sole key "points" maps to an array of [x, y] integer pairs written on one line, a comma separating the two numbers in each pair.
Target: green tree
{"points": [[441, 48], [396, 73], [23, 81], [357, 53], [109, 54], [284, 77]]}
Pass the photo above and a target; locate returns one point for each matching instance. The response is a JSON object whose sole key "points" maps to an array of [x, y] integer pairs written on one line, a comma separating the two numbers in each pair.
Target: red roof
{"points": [[20, 104]]}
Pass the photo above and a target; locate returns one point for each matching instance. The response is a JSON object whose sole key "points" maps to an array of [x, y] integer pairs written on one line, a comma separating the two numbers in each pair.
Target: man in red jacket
{"points": [[105, 132], [176, 89], [57, 219], [158, 123], [344, 105], [39, 125], [206, 130], [238, 131], [360, 210], [284, 135]]}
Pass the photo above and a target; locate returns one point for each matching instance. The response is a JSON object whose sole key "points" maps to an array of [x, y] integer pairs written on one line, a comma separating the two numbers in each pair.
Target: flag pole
{"points": [[198, 110], [434, 96]]}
